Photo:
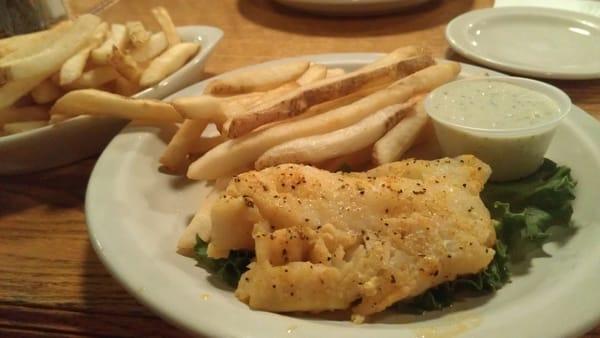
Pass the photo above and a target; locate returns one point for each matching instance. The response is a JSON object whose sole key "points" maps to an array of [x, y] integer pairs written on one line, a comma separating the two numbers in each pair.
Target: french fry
{"points": [[395, 56], [228, 157], [22, 114], [166, 24], [349, 162], [57, 118], [399, 139], [156, 45], [21, 46], [14, 90], [219, 109], [46, 92], [257, 79], [125, 65], [19, 127], [298, 101], [137, 33], [318, 148], [314, 73], [204, 108], [334, 72], [95, 78], [97, 102], [124, 87], [175, 156], [117, 37], [50, 59], [168, 62], [204, 144], [72, 69]]}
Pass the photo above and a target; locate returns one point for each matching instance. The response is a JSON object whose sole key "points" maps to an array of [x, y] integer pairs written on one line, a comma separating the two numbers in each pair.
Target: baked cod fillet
{"points": [[328, 241]]}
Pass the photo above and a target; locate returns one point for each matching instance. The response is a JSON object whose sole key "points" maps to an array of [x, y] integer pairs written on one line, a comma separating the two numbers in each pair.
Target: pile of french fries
{"points": [[302, 112], [39, 69], [293, 112]]}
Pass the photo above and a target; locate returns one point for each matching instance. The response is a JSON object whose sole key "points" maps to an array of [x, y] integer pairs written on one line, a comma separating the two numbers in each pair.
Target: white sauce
{"points": [[505, 125], [493, 105]]}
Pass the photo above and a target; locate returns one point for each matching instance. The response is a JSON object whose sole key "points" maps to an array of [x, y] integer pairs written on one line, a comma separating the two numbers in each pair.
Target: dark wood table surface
{"points": [[52, 283]]}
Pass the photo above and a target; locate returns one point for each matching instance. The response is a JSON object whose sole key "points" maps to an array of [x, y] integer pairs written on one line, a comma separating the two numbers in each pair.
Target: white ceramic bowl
{"points": [[511, 152], [85, 136]]}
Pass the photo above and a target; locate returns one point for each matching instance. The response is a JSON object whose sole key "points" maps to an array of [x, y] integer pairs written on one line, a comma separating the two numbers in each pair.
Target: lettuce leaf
{"points": [[523, 212], [228, 269]]}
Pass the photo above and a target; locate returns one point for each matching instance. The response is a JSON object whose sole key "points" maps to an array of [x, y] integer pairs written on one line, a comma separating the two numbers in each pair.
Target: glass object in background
{"points": [[26, 16]]}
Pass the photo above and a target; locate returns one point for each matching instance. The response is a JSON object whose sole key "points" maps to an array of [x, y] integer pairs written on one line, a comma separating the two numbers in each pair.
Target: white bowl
{"points": [[511, 152], [84, 136]]}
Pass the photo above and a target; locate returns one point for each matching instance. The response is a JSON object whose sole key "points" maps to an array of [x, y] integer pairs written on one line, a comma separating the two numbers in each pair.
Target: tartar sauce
{"points": [[506, 122], [493, 105]]}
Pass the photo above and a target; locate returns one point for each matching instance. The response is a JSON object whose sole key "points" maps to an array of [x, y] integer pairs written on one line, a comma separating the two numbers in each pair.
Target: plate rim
{"points": [[207, 327], [454, 27]]}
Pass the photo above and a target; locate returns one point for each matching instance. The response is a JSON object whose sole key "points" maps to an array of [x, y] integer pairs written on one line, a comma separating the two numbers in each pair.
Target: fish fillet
{"points": [[327, 241]]}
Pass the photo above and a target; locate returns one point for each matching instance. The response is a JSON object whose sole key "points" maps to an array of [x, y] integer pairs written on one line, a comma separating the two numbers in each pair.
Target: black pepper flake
{"points": [[470, 209], [449, 256], [274, 286], [387, 210], [292, 294], [362, 192], [247, 279], [464, 185], [306, 220], [248, 202]]}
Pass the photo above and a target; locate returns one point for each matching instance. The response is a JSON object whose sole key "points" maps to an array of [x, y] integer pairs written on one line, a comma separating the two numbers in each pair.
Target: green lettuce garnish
{"points": [[228, 269]]}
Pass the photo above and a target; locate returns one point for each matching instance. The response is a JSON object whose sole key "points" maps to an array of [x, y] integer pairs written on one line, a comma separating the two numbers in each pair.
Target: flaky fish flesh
{"points": [[361, 241]]}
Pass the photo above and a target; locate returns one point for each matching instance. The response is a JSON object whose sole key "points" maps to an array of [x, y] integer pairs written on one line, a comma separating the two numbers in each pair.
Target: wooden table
{"points": [[52, 283]]}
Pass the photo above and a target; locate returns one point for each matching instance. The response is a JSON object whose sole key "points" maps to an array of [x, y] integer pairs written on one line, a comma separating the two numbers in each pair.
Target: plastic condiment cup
{"points": [[512, 153]]}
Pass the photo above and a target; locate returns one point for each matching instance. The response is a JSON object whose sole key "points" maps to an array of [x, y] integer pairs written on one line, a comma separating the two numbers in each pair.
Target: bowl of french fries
{"points": [[39, 70]]}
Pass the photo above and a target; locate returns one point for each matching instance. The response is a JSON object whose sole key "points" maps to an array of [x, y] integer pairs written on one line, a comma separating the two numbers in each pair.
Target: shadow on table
{"points": [[56, 189], [269, 14], [111, 312]]}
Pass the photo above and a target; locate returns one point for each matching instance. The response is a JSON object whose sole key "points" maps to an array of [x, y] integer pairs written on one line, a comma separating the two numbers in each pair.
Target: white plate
{"points": [[135, 215], [351, 7], [84, 136], [540, 42]]}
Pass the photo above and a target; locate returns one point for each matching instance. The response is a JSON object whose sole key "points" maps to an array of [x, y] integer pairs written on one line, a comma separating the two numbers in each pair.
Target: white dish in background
{"points": [[135, 215], [591, 7], [84, 136], [354, 7], [532, 41]]}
